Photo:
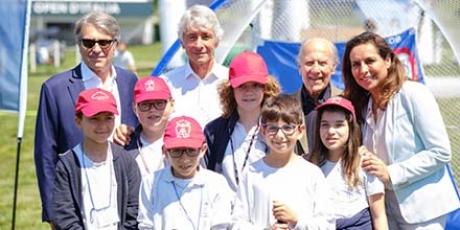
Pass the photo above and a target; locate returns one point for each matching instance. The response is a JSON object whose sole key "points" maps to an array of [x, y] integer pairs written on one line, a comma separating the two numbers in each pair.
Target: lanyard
{"points": [[94, 209], [144, 162], [237, 179], [185, 210]]}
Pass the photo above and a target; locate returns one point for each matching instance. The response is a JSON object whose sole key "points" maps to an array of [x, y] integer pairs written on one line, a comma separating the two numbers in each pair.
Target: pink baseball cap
{"points": [[339, 101], [93, 101], [183, 132], [151, 88], [247, 67]]}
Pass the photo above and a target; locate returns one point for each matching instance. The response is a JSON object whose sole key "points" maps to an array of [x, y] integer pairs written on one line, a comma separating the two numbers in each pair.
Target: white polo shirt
{"points": [[196, 97], [167, 202]]}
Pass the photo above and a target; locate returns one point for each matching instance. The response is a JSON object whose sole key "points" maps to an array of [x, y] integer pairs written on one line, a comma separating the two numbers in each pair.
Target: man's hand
{"points": [[122, 133]]}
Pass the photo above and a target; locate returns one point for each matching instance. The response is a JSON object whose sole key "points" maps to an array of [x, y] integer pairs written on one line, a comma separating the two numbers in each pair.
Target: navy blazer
{"points": [[55, 129]]}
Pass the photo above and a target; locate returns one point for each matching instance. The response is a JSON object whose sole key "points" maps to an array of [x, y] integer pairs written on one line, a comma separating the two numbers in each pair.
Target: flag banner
{"points": [[281, 58], [12, 30]]}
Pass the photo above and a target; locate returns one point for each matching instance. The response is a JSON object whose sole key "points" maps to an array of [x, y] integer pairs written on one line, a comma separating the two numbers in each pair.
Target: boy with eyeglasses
{"points": [[152, 105], [287, 191], [184, 195], [97, 182]]}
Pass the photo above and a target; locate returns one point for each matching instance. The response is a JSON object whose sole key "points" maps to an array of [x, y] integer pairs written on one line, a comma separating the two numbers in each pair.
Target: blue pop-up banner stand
{"points": [[281, 58]]}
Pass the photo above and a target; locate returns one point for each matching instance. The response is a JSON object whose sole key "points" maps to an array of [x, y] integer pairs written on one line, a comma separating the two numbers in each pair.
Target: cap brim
{"points": [[94, 109], [152, 96], [236, 82], [183, 143]]}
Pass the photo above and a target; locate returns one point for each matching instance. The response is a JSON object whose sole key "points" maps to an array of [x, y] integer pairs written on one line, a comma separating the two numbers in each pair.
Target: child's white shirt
{"points": [[167, 202], [349, 202], [241, 141], [299, 184], [150, 157], [99, 188]]}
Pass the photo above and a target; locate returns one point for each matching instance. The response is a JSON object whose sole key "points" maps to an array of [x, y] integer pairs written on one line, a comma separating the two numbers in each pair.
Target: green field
{"points": [[28, 213]]}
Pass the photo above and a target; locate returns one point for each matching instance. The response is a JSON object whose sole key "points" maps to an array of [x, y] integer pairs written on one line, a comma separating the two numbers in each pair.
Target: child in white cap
{"points": [[184, 195], [97, 182]]}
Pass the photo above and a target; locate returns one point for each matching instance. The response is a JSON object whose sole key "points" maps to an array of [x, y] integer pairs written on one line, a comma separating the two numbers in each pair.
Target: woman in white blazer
{"points": [[403, 128]]}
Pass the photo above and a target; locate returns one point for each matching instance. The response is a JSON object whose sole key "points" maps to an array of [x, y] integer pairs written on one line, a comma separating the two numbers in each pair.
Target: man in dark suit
{"points": [[55, 132]]}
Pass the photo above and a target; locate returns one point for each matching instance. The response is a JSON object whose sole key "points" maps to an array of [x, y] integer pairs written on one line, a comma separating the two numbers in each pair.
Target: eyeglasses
{"points": [[104, 44], [147, 105], [272, 129], [177, 153]]}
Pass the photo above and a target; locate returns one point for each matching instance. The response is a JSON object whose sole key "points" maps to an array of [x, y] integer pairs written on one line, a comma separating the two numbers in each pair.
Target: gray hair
{"points": [[101, 21], [199, 16], [331, 45]]}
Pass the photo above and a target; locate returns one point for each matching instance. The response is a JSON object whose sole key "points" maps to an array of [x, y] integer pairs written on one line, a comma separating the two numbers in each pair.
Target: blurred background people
{"points": [[124, 58]]}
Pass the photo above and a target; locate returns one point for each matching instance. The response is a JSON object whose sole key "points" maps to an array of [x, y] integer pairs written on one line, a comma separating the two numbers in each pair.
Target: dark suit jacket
{"points": [[305, 144], [55, 130]]}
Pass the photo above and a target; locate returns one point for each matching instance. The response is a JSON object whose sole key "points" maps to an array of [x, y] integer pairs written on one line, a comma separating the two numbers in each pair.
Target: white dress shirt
{"points": [[196, 97], [91, 81]]}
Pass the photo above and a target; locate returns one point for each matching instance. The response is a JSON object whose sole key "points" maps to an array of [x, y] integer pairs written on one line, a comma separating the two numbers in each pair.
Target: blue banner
{"points": [[13, 36], [281, 58]]}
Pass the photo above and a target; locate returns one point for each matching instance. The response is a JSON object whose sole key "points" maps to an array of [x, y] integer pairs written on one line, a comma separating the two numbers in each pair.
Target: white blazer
{"points": [[419, 151]]}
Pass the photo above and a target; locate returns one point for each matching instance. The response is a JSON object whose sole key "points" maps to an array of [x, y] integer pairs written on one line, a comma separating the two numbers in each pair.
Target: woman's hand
{"points": [[373, 165]]}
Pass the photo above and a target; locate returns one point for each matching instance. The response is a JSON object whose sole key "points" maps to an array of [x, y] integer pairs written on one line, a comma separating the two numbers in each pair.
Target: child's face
{"points": [[98, 127], [334, 130], [249, 96], [153, 114], [281, 137], [184, 161]]}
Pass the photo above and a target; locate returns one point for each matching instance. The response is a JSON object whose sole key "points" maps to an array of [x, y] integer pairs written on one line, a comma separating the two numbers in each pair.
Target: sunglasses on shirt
{"points": [[104, 43]]}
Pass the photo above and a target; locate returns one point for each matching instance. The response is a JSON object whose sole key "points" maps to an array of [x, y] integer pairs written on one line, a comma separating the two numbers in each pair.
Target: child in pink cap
{"points": [[358, 197], [97, 182], [184, 195], [282, 190], [234, 139], [153, 106]]}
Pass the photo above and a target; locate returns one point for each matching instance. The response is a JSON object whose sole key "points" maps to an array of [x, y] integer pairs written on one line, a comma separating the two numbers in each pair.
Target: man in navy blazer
{"points": [[55, 131]]}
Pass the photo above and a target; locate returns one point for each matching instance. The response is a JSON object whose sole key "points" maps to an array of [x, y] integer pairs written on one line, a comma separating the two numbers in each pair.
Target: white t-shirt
{"points": [[236, 154], [349, 202], [299, 184], [150, 156], [123, 59], [99, 188], [193, 96]]}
